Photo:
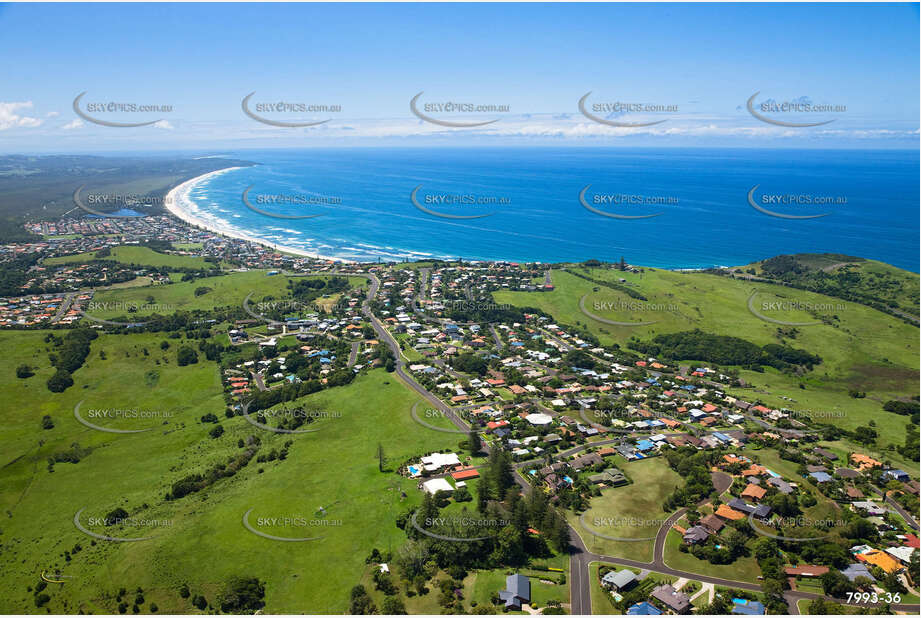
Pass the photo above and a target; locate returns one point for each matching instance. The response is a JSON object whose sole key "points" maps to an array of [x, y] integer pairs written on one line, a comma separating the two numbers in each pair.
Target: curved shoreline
{"points": [[177, 198]]}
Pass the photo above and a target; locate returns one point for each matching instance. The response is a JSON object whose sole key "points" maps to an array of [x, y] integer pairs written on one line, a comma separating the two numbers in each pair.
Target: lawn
{"points": [[222, 291], [479, 586], [632, 511], [136, 255], [743, 569], [201, 540]]}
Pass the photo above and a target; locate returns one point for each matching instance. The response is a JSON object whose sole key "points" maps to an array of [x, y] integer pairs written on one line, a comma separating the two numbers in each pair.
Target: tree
{"points": [[24, 371], [836, 584], [60, 381], [116, 516], [216, 432], [392, 606], [473, 442], [380, 457], [186, 356], [243, 595], [361, 603], [508, 547], [821, 607], [499, 473], [865, 435], [47, 423]]}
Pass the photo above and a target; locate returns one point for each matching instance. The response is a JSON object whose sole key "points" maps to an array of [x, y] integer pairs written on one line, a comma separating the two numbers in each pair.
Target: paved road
{"points": [[580, 558], [65, 305], [898, 507], [580, 585], [495, 336], [353, 354]]}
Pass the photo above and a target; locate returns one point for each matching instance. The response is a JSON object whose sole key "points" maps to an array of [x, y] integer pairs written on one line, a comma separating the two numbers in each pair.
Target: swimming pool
{"points": [[413, 470]]}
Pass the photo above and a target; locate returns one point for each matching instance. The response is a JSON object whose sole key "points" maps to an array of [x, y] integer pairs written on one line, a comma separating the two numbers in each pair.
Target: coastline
{"points": [[177, 201]]}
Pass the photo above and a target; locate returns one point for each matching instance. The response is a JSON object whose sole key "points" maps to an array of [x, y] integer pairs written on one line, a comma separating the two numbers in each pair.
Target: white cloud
{"points": [[52, 114], [76, 123], [11, 118], [163, 124]]}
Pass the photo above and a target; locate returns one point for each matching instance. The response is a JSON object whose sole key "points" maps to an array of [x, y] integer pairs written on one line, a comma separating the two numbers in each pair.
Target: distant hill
{"points": [[43, 186], [855, 279]]}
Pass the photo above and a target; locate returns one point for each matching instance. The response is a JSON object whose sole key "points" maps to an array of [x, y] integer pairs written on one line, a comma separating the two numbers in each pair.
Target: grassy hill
{"points": [[335, 468], [851, 278], [142, 256], [861, 348]]}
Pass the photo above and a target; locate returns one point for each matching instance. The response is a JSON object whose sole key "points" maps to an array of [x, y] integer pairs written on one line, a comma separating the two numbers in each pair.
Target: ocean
{"points": [[701, 200]]}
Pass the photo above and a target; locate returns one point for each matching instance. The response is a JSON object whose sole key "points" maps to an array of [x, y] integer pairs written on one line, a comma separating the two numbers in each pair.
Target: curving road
{"points": [[580, 557]]}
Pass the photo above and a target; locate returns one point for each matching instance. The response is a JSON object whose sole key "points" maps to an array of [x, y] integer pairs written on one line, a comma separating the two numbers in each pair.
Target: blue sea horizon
{"points": [[528, 204]]}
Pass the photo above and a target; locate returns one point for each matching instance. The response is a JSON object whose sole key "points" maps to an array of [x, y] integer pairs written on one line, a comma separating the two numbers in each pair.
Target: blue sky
{"points": [[700, 61]]}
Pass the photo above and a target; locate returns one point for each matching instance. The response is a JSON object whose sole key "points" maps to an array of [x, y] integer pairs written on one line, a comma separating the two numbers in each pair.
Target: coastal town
{"points": [[583, 424]]}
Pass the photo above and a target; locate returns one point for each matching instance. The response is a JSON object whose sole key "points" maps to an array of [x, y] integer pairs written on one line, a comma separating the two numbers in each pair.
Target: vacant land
{"points": [[335, 468], [143, 256], [630, 512]]}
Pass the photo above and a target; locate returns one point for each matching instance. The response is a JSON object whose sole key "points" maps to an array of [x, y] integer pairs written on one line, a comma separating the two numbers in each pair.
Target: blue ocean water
{"points": [[535, 213]]}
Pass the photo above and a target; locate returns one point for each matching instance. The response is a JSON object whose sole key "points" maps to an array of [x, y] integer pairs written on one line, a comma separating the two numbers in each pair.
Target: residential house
{"points": [[517, 591], [676, 601], [619, 580], [696, 534]]}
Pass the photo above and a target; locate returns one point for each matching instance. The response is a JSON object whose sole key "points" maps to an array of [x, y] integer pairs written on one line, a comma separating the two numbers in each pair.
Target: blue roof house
{"points": [[518, 591]]}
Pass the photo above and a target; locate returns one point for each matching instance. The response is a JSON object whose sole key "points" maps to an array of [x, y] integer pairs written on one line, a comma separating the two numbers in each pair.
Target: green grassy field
{"points": [[876, 280], [205, 542], [223, 291], [135, 255], [631, 511], [863, 349]]}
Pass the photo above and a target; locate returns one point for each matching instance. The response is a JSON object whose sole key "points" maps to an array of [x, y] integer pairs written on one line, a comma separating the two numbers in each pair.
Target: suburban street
{"points": [[580, 557]]}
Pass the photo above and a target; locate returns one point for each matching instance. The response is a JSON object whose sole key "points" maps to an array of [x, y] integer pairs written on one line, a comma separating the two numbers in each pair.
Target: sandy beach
{"points": [[180, 204]]}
